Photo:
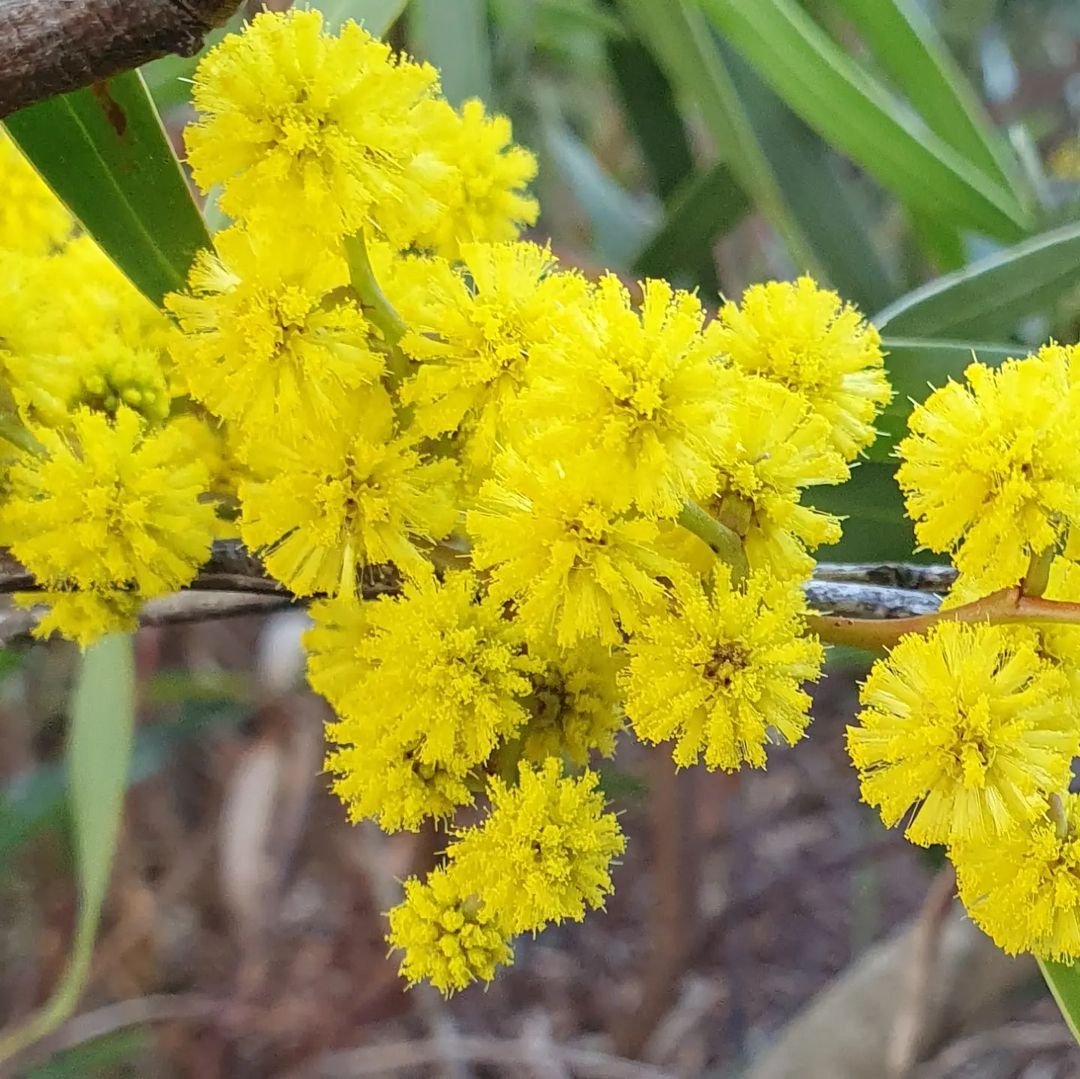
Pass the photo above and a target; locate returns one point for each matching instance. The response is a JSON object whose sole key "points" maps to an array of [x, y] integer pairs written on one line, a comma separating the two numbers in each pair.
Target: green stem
{"points": [[1038, 573], [721, 540], [378, 308]]}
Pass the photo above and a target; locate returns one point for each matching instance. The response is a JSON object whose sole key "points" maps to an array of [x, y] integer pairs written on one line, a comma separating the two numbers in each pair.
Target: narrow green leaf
{"points": [[1064, 982], [991, 295], [684, 48], [854, 112], [104, 152], [375, 16], [454, 37], [818, 194], [704, 207], [908, 47], [918, 365], [98, 757]]}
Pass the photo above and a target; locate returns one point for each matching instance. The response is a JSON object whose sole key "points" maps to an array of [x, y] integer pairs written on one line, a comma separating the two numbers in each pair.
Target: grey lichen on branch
{"points": [[50, 47]]}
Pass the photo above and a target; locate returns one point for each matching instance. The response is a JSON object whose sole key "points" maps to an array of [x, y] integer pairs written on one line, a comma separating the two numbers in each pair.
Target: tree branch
{"points": [[52, 46]]}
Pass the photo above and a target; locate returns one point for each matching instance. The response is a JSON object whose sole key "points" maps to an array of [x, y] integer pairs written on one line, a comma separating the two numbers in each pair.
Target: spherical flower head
{"points": [[991, 469], [544, 852], [721, 671], [807, 339], [385, 781], [642, 395], [439, 669], [312, 129], [772, 447], [82, 616], [477, 332], [108, 505], [1023, 890], [481, 193], [270, 343], [574, 704], [967, 729], [573, 567], [33, 221], [449, 938], [350, 496]]}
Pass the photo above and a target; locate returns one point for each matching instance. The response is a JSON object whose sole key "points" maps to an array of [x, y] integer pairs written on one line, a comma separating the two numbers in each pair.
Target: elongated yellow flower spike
{"points": [[968, 729]]}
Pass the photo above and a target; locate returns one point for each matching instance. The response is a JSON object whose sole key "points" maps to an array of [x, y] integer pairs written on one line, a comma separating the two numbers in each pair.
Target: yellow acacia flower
{"points": [[544, 852], [439, 670], [967, 729], [352, 495], [1023, 889], [270, 344], [33, 220], [449, 938], [104, 377], [386, 782], [573, 567], [807, 339], [574, 704], [477, 332], [482, 193], [108, 506], [771, 448], [314, 130], [991, 469], [641, 394], [83, 615], [721, 671]]}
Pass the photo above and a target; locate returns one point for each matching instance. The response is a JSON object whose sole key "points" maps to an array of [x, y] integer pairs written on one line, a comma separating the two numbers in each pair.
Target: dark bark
{"points": [[52, 46]]}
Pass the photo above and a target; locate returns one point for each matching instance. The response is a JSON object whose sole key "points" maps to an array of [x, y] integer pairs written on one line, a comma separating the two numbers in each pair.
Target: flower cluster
{"points": [[579, 503], [968, 733]]}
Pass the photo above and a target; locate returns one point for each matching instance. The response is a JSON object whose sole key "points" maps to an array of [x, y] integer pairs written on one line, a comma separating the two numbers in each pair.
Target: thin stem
{"points": [[1038, 573], [1007, 606], [720, 539], [375, 302], [1056, 812]]}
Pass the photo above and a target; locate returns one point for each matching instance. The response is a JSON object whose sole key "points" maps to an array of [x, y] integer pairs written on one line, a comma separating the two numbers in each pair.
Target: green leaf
{"points": [[906, 44], [876, 528], [818, 194], [680, 39], [375, 16], [98, 756], [854, 112], [104, 152], [991, 295], [704, 207], [454, 37], [1064, 982], [917, 365]]}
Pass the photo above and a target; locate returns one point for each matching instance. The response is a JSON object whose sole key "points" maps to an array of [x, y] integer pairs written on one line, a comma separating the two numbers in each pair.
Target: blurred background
{"points": [[763, 925]]}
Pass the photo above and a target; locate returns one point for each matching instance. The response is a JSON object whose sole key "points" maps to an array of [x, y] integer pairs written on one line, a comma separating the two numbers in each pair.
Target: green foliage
{"points": [[98, 755], [104, 152]]}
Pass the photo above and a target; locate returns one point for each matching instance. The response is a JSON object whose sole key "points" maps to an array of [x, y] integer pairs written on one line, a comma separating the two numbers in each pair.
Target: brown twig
{"points": [[51, 48]]}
